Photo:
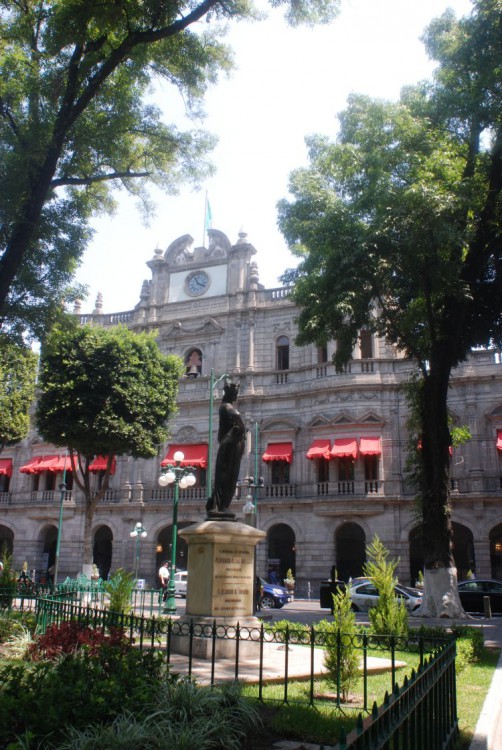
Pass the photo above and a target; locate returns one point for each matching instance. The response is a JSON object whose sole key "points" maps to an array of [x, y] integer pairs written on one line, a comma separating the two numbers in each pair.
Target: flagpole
{"points": [[205, 220]]}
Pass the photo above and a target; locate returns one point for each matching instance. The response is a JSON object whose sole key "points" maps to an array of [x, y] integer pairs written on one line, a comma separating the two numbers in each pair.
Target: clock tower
{"points": [[185, 274]]}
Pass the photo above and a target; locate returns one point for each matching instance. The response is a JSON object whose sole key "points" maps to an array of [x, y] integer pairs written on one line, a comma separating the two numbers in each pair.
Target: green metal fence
{"points": [[419, 714]]}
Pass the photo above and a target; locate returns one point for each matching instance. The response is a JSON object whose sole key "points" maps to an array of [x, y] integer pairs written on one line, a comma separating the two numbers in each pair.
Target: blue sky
{"points": [[289, 83]]}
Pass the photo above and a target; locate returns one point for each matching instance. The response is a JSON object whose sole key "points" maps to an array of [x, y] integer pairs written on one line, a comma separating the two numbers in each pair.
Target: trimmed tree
{"points": [[77, 118], [18, 372], [104, 392], [398, 227]]}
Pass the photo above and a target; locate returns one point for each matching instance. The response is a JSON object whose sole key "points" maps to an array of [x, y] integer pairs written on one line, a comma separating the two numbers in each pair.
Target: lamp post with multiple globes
{"points": [[140, 533], [180, 476]]}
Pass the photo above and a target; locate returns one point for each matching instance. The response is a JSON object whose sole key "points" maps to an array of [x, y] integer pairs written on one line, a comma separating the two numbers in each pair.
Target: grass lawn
{"points": [[322, 723]]}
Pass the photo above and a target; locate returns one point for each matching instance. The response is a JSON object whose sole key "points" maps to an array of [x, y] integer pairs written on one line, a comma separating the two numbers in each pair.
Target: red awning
{"points": [[60, 464], [99, 464], [370, 446], [499, 440], [195, 455], [6, 466], [279, 452], [344, 447], [319, 449], [46, 463]]}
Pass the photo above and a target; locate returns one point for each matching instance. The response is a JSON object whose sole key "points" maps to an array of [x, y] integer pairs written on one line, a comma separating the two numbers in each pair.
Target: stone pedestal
{"points": [[220, 588]]}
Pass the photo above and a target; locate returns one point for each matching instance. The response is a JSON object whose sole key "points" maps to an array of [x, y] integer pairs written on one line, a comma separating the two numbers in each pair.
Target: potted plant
{"points": [[95, 572], [289, 581]]}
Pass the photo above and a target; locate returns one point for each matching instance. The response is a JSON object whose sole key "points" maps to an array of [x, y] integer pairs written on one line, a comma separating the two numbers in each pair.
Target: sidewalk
{"points": [[488, 732]]}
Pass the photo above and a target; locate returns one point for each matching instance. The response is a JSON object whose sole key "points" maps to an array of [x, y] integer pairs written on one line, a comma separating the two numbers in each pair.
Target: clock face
{"points": [[197, 283]]}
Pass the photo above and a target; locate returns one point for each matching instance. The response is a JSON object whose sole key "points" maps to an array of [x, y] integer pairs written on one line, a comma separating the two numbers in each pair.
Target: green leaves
{"points": [[18, 370], [106, 391], [75, 124]]}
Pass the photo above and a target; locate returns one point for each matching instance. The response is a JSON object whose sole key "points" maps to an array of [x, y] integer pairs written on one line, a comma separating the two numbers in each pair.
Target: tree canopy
{"points": [[18, 372], [75, 120], [104, 392], [398, 226]]}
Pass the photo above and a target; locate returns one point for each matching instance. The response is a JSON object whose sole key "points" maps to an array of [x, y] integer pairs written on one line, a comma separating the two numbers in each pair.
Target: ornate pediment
{"points": [[318, 421], [187, 435], [207, 326], [180, 251], [343, 419], [275, 425]]}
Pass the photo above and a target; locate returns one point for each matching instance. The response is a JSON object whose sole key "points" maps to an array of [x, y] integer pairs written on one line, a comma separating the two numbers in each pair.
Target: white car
{"points": [[180, 583], [364, 595]]}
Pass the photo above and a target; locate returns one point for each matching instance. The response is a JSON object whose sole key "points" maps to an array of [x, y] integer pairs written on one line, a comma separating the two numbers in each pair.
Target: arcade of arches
{"points": [[349, 550]]}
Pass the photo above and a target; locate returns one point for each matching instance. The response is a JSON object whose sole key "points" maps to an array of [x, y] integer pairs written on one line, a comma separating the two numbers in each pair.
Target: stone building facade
{"points": [[326, 451]]}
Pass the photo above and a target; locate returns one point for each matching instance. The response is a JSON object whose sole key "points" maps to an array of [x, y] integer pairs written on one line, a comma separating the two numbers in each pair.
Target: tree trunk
{"points": [[440, 576]]}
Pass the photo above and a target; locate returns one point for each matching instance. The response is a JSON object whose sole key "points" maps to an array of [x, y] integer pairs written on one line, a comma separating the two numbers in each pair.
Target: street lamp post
{"points": [[209, 473], [140, 533], [62, 488], [180, 476]]}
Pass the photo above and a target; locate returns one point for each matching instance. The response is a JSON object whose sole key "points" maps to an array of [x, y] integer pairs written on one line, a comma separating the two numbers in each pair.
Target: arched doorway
{"points": [[350, 546], [416, 553], [6, 540], [49, 537], [163, 548], [462, 549], [496, 551], [102, 551], [281, 550]]}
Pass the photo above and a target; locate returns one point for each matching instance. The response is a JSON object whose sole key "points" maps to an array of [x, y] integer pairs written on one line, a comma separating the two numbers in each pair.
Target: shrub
{"points": [[341, 658], [80, 689], [389, 616], [119, 588], [8, 580], [69, 637]]}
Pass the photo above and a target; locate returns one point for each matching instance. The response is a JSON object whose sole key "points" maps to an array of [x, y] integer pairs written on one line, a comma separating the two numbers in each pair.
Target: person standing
{"points": [[164, 579]]}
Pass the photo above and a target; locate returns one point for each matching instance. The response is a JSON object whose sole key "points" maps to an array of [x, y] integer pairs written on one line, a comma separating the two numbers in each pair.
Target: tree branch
{"points": [[98, 178]]}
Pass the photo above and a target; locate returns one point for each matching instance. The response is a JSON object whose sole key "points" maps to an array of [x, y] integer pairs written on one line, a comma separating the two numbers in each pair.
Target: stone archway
{"points": [[163, 548], [462, 548], [281, 550], [416, 553], [350, 548], [47, 546], [6, 540], [496, 551], [102, 551]]}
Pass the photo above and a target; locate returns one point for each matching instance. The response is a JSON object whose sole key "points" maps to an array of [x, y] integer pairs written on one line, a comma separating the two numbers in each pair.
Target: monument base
{"points": [[217, 638], [220, 588], [220, 515]]}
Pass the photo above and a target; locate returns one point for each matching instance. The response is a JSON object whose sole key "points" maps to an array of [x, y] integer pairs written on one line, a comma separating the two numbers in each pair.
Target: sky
{"points": [[288, 84]]}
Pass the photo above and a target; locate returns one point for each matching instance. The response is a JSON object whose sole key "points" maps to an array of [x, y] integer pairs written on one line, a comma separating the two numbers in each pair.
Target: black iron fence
{"points": [[417, 714]]}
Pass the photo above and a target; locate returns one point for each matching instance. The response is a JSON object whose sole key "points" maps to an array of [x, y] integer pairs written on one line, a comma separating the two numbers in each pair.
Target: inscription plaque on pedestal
{"points": [[220, 577]]}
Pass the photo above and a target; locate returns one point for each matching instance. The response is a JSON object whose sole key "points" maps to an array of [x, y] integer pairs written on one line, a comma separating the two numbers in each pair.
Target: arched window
{"points": [[282, 353], [322, 355], [366, 341], [193, 363]]}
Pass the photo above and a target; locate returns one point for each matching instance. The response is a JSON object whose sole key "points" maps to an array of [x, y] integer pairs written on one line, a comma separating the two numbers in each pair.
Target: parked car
{"points": [[364, 595], [180, 583], [273, 595], [473, 591]]}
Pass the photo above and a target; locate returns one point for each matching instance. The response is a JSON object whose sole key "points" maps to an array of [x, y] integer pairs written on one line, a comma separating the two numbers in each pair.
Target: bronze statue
{"points": [[232, 438]]}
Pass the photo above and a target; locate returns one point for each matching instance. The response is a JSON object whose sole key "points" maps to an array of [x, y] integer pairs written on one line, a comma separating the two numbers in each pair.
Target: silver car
{"points": [[180, 583], [364, 595]]}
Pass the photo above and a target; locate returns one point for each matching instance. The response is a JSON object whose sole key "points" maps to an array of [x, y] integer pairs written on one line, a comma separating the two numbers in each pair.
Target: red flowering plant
{"points": [[70, 637]]}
